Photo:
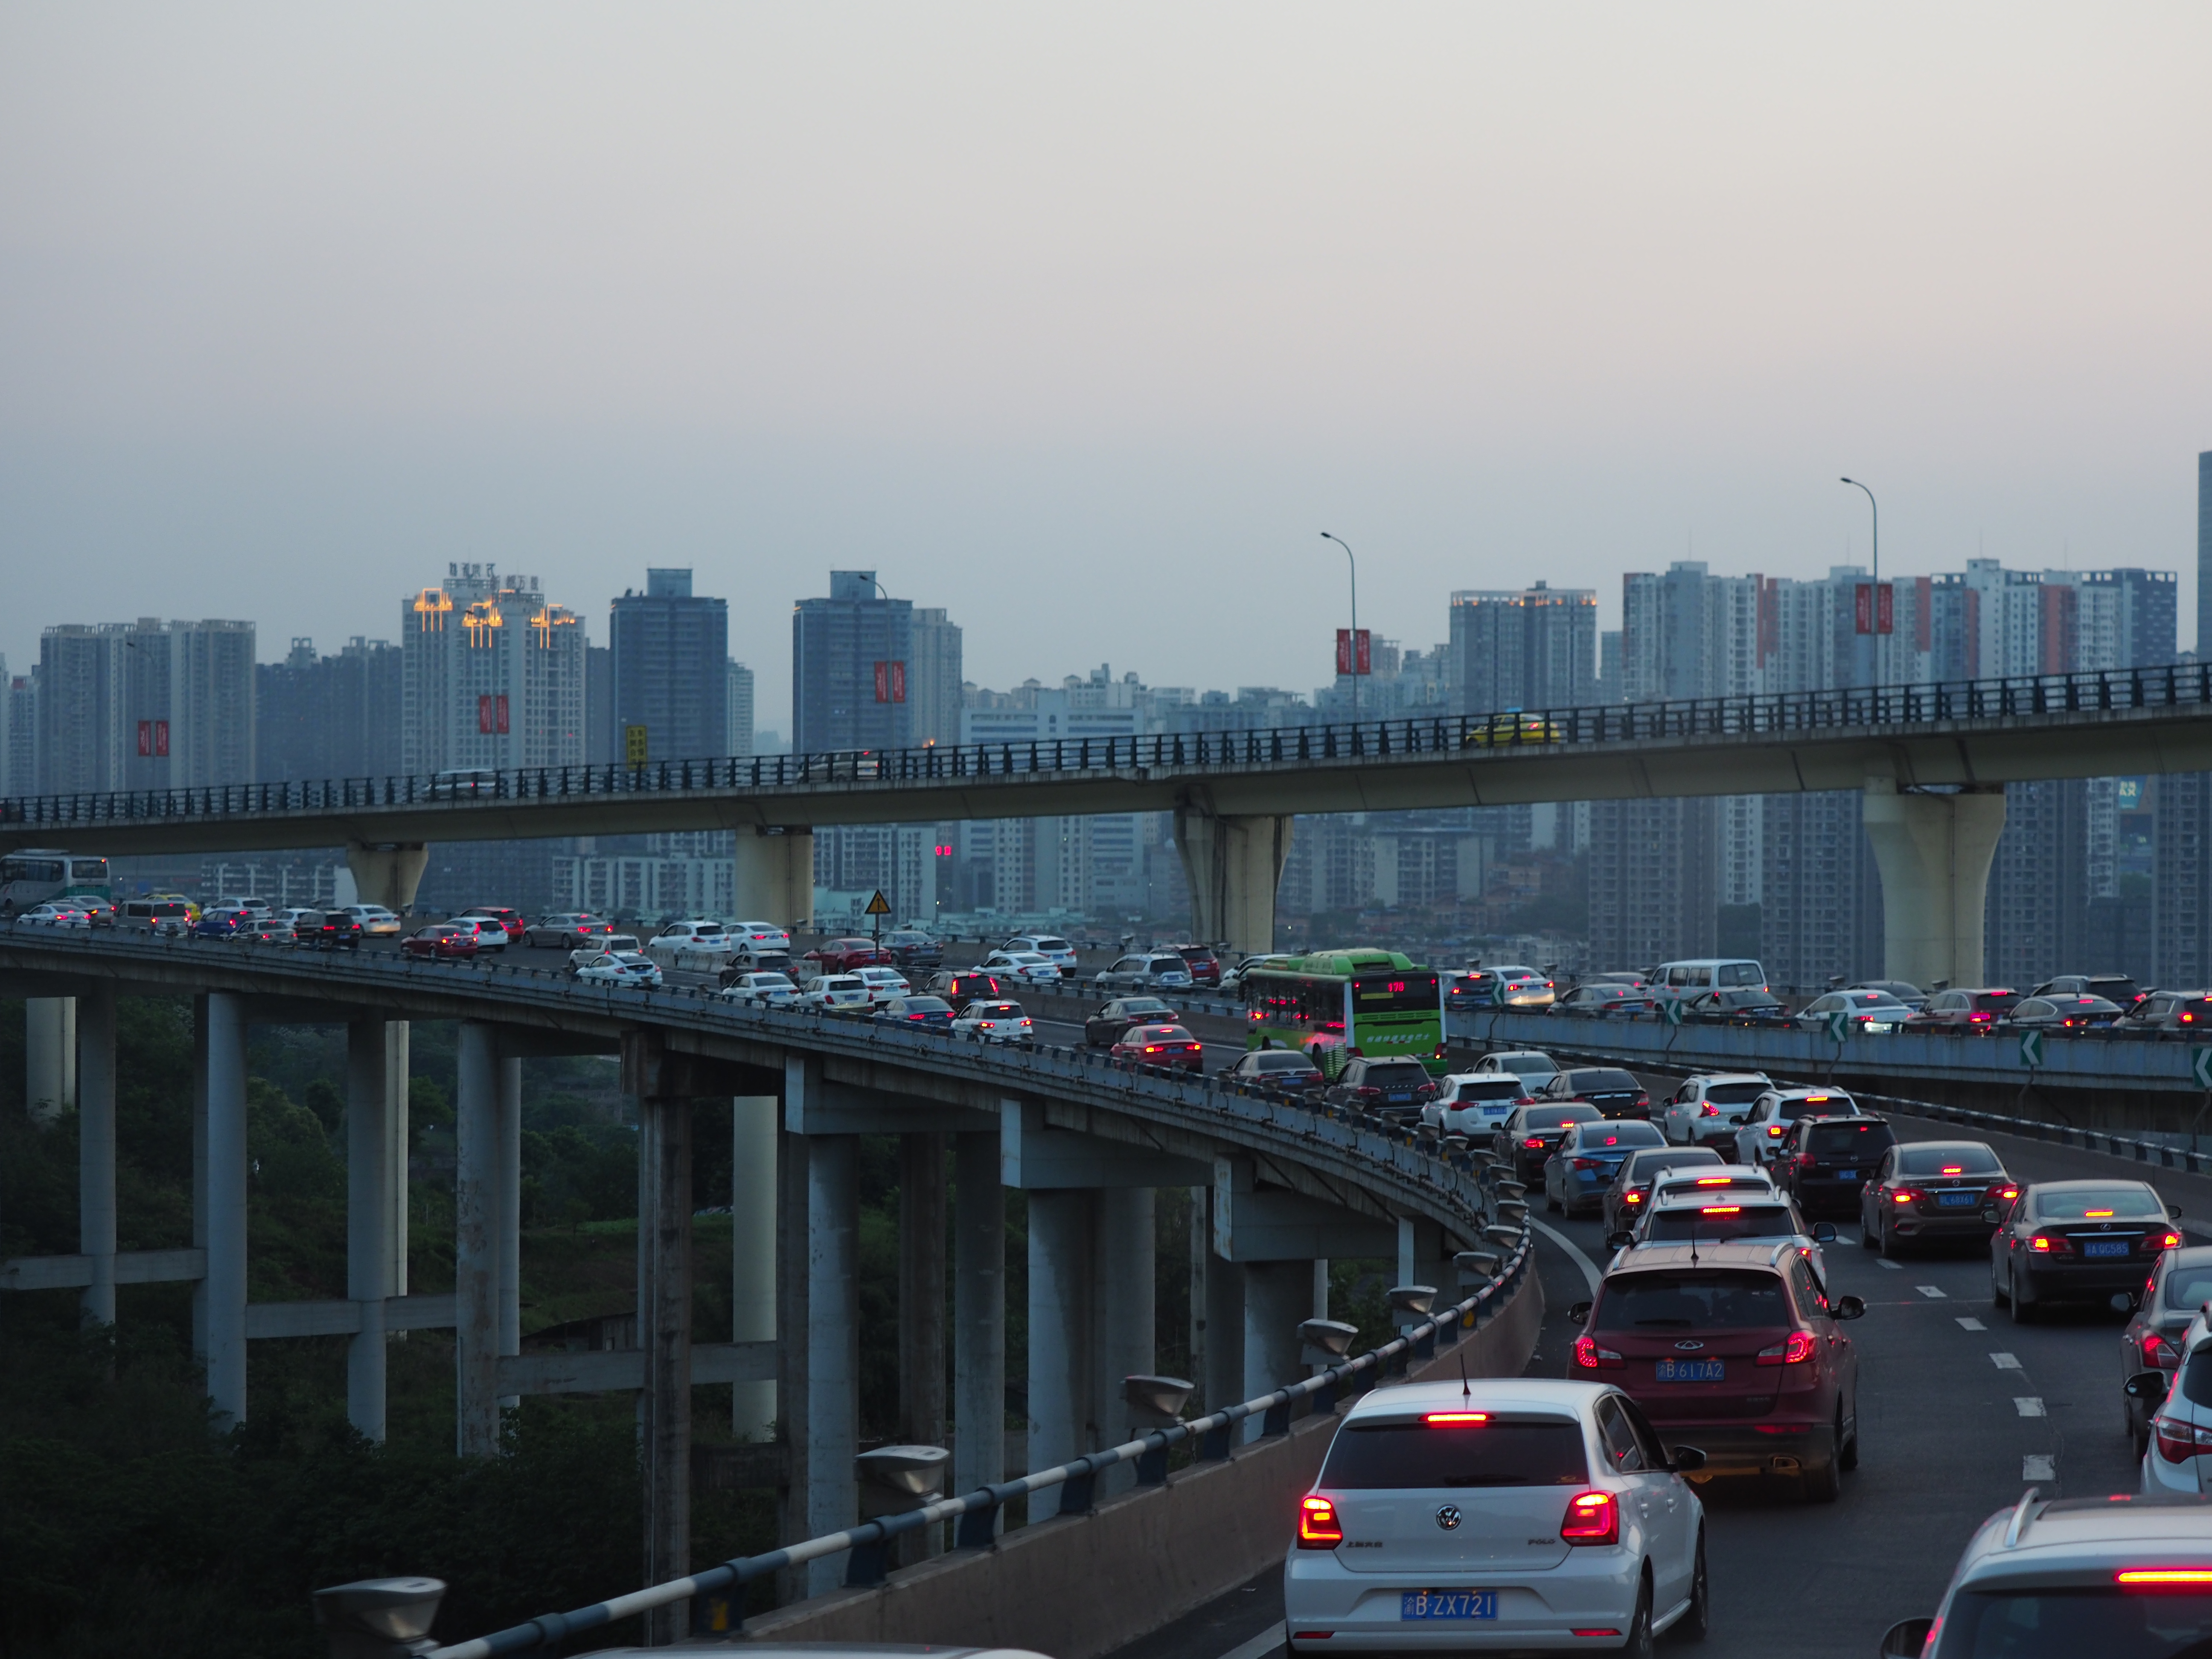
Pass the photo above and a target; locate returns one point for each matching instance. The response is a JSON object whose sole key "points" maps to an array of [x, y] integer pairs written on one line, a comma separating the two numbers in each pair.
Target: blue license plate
{"points": [[1956, 1201], [2105, 1246], [1396, 1100], [1448, 1604], [1692, 1371], [1847, 1175]]}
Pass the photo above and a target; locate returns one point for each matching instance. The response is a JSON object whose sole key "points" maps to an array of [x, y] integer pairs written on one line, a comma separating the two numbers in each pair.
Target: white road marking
{"points": [[1936, 1290], [1265, 1643], [1574, 1253], [2028, 1406], [2004, 1362], [2039, 1465], [1969, 1323], [1884, 1261]]}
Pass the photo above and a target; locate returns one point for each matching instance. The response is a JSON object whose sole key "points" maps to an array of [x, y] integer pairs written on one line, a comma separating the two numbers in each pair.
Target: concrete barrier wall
{"points": [[1079, 1586]]}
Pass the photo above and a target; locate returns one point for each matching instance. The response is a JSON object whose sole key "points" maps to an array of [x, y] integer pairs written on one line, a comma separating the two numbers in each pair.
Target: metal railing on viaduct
{"points": [[2153, 719], [1277, 1188]]}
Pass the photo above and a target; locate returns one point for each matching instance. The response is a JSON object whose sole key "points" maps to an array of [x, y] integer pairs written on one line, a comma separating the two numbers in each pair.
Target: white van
{"points": [[1676, 980]]}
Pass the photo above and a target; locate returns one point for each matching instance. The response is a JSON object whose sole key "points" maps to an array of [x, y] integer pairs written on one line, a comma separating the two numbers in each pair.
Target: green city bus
{"points": [[1334, 1004]]}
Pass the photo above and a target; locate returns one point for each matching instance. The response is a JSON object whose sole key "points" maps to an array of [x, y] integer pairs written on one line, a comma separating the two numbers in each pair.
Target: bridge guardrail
{"points": [[1865, 706], [977, 1513]]}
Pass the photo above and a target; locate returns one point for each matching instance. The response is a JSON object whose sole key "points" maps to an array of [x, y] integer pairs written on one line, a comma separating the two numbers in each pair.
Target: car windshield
{"points": [[1949, 1160], [2109, 1620], [1618, 1137], [1734, 1094], [1694, 1299], [2097, 1203], [1398, 1455], [1860, 1140], [1604, 1083], [1716, 1224], [1558, 1117]]}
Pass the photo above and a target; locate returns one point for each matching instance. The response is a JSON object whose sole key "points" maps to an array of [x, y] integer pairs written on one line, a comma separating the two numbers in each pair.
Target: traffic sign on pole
{"points": [[879, 906], [2031, 1050], [1837, 1021], [1672, 1007], [2200, 1066]]}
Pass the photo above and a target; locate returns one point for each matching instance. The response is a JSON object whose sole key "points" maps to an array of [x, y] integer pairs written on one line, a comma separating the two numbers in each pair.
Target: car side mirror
{"points": [[2174, 1213], [1688, 1460], [1619, 1241], [1849, 1306], [2146, 1386], [2126, 1302], [1580, 1311], [1990, 1213], [1823, 1232], [1905, 1638]]}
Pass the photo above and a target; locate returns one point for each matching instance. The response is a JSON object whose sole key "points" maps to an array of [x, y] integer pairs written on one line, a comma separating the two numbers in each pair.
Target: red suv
{"points": [[841, 955], [513, 920], [1738, 1347], [1205, 966]]}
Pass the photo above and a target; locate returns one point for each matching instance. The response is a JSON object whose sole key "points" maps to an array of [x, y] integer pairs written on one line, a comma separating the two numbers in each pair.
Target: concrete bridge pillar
{"points": [[921, 1222], [833, 1359], [95, 1128], [510, 1216], [387, 873], [1060, 1325], [663, 1335], [1124, 1269], [979, 1314], [222, 1175], [753, 1253], [1234, 866], [398, 1055], [774, 875], [1224, 1331], [1278, 1297], [49, 1056], [1934, 851], [478, 1229], [368, 1220]]}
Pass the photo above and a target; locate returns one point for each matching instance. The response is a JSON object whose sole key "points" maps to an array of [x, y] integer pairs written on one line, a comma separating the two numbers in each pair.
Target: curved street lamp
{"points": [[1354, 563], [1876, 508]]}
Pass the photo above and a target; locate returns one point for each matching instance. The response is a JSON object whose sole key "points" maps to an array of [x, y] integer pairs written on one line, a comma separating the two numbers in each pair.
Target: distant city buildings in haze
{"points": [[494, 675], [670, 659], [1533, 649], [336, 716], [869, 672], [142, 705]]}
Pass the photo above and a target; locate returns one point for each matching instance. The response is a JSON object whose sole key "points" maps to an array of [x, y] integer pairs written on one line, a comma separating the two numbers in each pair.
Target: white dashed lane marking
{"points": [[1265, 1643], [1934, 1292], [2028, 1406], [1967, 1322], [2038, 1466], [1884, 1261], [2004, 1362]]}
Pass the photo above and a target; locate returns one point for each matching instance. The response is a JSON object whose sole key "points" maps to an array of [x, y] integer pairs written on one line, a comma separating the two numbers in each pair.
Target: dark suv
{"points": [[1826, 1162], [1614, 1092], [327, 930], [960, 986], [1388, 1088]]}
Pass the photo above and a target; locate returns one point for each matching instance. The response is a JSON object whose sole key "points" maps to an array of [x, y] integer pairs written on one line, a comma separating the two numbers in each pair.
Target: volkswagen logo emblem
{"points": [[1448, 1517], [1688, 1347]]}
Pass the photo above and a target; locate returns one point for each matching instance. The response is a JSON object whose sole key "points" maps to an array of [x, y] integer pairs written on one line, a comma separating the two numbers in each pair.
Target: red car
{"points": [[1160, 1045], [1205, 966], [442, 941], [511, 919], [1736, 1347], [841, 955]]}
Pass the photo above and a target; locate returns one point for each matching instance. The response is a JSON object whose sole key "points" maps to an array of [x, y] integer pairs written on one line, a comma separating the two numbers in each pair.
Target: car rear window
{"points": [[1716, 1224], [2048, 1623], [1816, 1106], [1948, 1160], [1489, 1088], [1558, 1117], [1734, 1094], [1389, 1456], [1606, 1082], [1867, 1140], [996, 1011], [1617, 1135], [1645, 1165], [1695, 1299], [2096, 1203], [1742, 973], [1995, 1002], [1396, 1074], [1281, 1059], [2187, 1287]]}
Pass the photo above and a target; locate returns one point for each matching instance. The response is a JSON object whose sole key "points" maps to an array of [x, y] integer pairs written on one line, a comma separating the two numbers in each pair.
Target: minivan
{"points": [[1687, 979]]}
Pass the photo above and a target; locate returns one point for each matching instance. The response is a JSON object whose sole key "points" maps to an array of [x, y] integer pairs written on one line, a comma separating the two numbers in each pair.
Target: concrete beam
{"points": [[267, 1320], [1037, 1157], [1934, 851], [1234, 866], [1257, 1226], [74, 1273], [616, 1370]]}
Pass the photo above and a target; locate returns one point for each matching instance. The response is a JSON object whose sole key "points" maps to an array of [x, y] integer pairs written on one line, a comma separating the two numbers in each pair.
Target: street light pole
{"points": [[1354, 664], [1876, 508]]}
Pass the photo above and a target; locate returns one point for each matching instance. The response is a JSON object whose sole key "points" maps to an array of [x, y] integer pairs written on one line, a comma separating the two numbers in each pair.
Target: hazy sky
{"points": [[1084, 322]]}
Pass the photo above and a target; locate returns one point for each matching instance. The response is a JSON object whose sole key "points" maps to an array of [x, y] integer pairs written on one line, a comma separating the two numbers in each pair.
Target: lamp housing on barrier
{"points": [[1510, 1189], [379, 1618], [894, 1479], [1477, 1266], [1412, 1302], [1327, 1340], [1512, 1212], [1155, 1402]]}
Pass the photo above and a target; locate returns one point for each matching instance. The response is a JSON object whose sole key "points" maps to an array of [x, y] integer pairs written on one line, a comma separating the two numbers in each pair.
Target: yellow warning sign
{"points": [[879, 906]]}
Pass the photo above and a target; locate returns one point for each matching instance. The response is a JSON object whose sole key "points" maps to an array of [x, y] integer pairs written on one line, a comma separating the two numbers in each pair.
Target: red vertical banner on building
{"points": [[501, 714], [161, 739], [145, 737], [898, 681], [1362, 662], [485, 714], [882, 682], [1885, 608], [1344, 651], [1862, 608]]}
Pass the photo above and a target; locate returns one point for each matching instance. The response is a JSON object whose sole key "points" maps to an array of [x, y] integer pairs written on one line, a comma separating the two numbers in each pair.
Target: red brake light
{"points": [[1318, 1527], [1593, 1517], [2153, 1349], [2169, 1242], [1709, 1110], [1713, 1180], [1534, 1141], [1591, 1358], [2040, 1242], [2164, 1576], [1907, 1195], [1797, 1349], [2007, 1193], [1588, 1163], [1953, 1168], [1721, 1209], [1435, 1418], [2179, 1441], [1631, 1198]]}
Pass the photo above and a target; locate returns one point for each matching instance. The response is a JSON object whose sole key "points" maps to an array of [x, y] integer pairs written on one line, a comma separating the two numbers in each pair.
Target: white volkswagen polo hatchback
{"points": [[1512, 1513]]}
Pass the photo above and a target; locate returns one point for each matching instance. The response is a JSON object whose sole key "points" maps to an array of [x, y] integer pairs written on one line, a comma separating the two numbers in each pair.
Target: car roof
{"points": [[1490, 1393], [1729, 1077], [2038, 1538], [2105, 1185], [1737, 1253]]}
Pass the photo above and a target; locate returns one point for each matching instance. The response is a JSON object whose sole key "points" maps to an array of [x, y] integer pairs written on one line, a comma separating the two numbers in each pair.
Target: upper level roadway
{"points": [[1970, 734]]}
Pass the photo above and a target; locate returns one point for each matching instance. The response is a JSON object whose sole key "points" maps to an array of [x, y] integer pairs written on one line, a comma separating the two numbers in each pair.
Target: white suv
{"points": [[1709, 1108], [1052, 948], [1768, 1121], [1523, 1513], [2181, 1427], [2062, 1578], [1474, 1103], [700, 946]]}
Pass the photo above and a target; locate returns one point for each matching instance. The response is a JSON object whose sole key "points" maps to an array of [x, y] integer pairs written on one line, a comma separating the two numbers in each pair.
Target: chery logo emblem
{"points": [[1688, 1347]]}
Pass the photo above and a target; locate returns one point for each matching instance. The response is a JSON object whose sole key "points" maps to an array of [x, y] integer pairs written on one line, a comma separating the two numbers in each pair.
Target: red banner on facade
{"points": [[1873, 609], [485, 714], [1361, 662], [153, 739], [145, 737], [491, 715], [1353, 654], [890, 682]]}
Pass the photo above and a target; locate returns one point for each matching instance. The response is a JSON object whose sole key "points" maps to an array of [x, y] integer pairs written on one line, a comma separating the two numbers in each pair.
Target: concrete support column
{"points": [[1123, 1277], [95, 1167], [1320, 1287], [398, 1055], [752, 1254], [49, 1056], [510, 1216], [368, 1220], [1061, 1325], [1277, 1295], [1934, 851], [921, 1289], [833, 1360], [978, 1315], [774, 875], [1234, 866], [477, 1232], [794, 1303], [664, 1333], [387, 873], [200, 1173], [1201, 1252], [1224, 1330], [223, 1184]]}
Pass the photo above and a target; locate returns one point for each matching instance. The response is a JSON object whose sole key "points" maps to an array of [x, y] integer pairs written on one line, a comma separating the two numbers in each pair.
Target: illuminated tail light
{"points": [[2178, 1442], [1907, 1195], [1452, 1420], [2155, 1350], [1709, 1110], [1591, 1358], [1534, 1143], [1643, 1101], [2050, 1244], [1631, 1198], [2191, 1577], [1593, 1517], [1318, 1527], [1797, 1349]]}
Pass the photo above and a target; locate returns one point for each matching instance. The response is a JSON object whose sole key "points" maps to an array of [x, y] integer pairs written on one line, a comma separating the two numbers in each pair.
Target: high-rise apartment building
{"points": [[738, 702], [1536, 648], [869, 672], [148, 704], [330, 717], [19, 760], [670, 653], [2203, 640], [493, 675]]}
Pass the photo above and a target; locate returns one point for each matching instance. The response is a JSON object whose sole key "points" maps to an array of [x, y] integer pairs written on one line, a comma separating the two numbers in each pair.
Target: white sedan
{"points": [[883, 983], [620, 968], [1026, 967], [762, 990], [1518, 1512], [994, 1022], [55, 916]]}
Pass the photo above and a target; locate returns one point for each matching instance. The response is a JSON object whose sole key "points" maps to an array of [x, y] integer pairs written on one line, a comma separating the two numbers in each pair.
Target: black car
{"points": [[1103, 1028], [1932, 1190], [1614, 1092], [913, 948], [916, 1011], [961, 986], [327, 930], [2076, 1241], [1825, 1163], [1741, 1005], [1286, 1069], [2115, 987], [1534, 1131], [1393, 1088]]}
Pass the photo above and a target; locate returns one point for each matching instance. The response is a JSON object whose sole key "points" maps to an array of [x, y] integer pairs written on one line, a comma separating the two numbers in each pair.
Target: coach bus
{"points": [[36, 874], [1334, 1004]]}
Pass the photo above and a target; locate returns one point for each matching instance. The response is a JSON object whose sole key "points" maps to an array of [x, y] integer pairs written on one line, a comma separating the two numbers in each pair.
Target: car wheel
{"points": [[1821, 1482], [1639, 1644], [2023, 1311], [1997, 1291], [1892, 1250], [1867, 1239], [1696, 1618], [1847, 1457]]}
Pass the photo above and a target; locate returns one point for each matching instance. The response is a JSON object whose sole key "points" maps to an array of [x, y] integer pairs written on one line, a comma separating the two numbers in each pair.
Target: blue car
{"points": [[1589, 1156], [219, 923], [925, 1010]]}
